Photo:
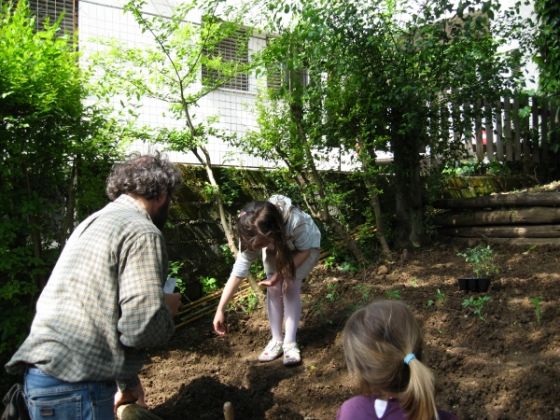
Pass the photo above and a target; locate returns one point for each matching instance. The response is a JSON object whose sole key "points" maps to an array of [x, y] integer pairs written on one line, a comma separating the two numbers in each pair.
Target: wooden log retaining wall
{"points": [[516, 218]]}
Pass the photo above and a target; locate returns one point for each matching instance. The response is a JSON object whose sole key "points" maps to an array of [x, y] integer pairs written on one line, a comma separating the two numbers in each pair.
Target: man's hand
{"points": [[271, 281], [173, 302], [219, 323], [129, 396]]}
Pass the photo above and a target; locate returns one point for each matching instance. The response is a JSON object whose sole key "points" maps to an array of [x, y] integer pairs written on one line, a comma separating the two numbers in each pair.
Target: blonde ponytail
{"points": [[418, 399]]}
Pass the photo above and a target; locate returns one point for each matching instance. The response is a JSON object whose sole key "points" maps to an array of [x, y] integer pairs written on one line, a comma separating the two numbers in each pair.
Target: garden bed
{"points": [[504, 366]]}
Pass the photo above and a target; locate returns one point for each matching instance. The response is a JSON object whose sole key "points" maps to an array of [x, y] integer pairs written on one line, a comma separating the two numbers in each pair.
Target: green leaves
{"points": [[481, 259], [37, 68], [55, 154], [476, 305]]}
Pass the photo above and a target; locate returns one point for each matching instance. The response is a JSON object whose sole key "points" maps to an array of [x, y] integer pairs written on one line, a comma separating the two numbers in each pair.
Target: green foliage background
{"points": [[55, 154]]}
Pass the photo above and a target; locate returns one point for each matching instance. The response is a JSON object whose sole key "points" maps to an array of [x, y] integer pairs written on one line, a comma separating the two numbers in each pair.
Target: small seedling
{"points": [[209, 284], [331, 295], [393, 294], [536, 301], [476, 304], [364, 290], [413, 282], [330, 261], [174, 269], [440, 297], [249, 303], [348, 267], [438, 301]]}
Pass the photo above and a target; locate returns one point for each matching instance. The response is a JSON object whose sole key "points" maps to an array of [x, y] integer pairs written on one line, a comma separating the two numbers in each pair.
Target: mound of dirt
{"points": [[503, 363]]}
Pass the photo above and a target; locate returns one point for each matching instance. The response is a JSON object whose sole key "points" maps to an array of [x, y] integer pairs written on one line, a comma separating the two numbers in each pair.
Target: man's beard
{"points": [[160, 217]]}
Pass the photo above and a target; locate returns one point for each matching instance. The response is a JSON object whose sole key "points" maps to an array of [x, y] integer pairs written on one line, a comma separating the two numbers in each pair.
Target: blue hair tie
{"points": [[409, 358]]}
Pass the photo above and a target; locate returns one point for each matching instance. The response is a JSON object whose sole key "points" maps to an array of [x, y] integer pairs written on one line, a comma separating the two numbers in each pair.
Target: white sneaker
{"points": [[273, 350], [292, 355]]}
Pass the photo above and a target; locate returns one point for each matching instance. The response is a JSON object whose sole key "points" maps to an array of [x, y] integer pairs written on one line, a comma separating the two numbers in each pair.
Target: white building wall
{"points": [[235, 110]]}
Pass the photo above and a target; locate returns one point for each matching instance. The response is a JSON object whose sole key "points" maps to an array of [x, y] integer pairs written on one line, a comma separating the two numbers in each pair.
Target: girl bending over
{"points": [[288, 240]]}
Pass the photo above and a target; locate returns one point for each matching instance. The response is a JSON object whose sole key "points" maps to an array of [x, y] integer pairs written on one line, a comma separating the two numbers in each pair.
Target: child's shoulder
{"points": [[357, 408], [445, 415]]}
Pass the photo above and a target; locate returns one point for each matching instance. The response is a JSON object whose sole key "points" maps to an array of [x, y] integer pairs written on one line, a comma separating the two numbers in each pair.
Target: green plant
{"points": [[413, 282], [476, 304], [330, 261], [332, 294], [536, 301], [348, 267], [209, 284], [439, 299], [364, 290], [249, 303], [175, 268], [166, 70], [393, 294], [174, 271], [481, 260], [228, 256], [462, 168], [440, 296], [56, 153]]}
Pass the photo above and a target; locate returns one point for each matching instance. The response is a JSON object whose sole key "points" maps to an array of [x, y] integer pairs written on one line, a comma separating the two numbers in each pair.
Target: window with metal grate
{"points": [[52, 10], [232, 50]]}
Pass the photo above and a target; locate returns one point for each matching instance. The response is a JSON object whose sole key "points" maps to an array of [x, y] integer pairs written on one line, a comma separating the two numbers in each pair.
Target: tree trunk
{"points": [[366, 154], [380, 232], [408, 192], [207, 164]]}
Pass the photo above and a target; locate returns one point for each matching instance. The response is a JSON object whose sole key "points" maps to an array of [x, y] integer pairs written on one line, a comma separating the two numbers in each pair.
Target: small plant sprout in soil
{"points": [[536, 302], [332, 294], [476, 305], [438, 301], [393, 294], [209, 284]]}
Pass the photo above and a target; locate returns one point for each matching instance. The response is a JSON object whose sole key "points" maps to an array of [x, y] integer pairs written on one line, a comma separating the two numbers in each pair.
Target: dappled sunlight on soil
{"points": [[503, 364]]}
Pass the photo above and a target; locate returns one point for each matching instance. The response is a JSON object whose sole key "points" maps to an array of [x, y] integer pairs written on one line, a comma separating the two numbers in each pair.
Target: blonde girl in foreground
{"points": [[383, 351]]}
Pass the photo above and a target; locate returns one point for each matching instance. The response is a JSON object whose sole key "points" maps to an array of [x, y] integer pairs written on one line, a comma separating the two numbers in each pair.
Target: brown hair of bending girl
{"points": [[377, 339], [261, 222]]}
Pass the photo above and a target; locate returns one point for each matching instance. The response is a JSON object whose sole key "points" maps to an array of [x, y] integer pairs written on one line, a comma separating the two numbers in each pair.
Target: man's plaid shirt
{"points": [[104, 300]]}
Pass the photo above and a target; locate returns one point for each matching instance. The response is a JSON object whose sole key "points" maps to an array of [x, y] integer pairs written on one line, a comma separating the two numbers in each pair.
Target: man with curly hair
{"points": [[104, 302]]}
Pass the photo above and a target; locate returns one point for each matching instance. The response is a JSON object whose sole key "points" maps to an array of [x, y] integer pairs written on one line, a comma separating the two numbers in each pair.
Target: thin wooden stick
{"points": [[191, 317], [208, 298]]}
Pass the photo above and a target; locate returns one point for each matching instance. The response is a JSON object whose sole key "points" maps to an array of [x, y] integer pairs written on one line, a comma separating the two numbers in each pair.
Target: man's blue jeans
{"points": [[50, 398]]}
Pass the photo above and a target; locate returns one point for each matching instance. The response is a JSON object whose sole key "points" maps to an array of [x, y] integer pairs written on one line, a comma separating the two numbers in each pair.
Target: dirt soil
{"points": [[505, 366]]}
